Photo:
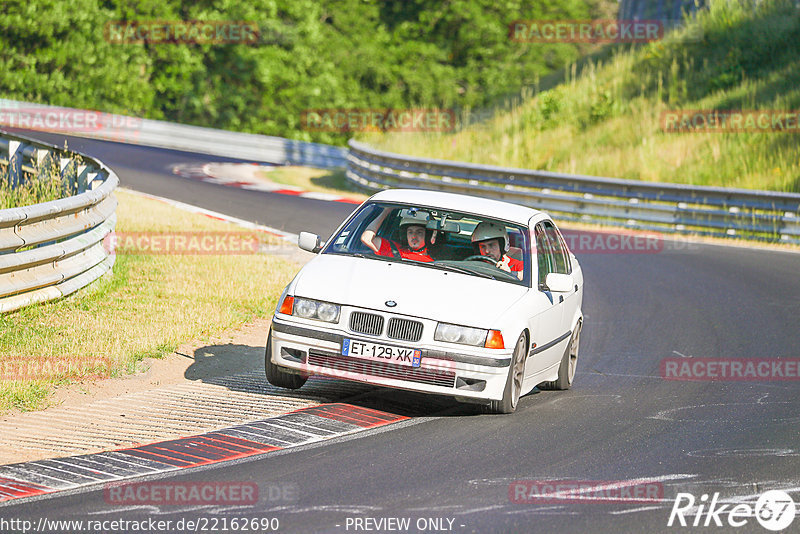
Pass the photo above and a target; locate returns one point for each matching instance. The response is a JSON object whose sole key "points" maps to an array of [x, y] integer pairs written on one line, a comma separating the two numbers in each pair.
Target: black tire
{"points": [[516, 373], [276, 376], [569, 362]]}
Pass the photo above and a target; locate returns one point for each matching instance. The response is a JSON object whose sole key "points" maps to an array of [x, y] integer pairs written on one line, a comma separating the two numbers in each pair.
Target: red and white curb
{"points": [[245, 176], [301, 427]]}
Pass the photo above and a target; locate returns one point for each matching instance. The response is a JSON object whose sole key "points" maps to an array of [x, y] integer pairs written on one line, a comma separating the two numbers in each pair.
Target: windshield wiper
{"points": [[371, 256], [387, 258]]}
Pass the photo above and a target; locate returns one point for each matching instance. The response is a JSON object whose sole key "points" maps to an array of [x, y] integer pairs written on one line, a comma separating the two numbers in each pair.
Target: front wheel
{"points": [[278, 377], [516, 372]]}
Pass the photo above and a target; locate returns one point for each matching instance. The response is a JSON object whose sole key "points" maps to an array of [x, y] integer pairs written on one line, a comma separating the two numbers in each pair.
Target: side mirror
{"points": [[310, 242], [559, 283]]}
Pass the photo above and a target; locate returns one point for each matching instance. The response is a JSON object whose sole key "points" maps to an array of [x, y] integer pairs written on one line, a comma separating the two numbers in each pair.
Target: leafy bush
{"points": [[311, 55]]}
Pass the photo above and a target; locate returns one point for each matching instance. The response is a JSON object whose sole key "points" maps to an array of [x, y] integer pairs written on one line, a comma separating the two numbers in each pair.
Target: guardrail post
{"points": [[15, 156], [95, 178], [81, 179], [66, 171], [45, 164]]}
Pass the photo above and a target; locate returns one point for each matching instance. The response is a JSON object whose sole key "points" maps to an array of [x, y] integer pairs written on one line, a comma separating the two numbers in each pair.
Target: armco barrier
{"points": [[674, 208], [52, 249], [713, 211], [146, 132]]}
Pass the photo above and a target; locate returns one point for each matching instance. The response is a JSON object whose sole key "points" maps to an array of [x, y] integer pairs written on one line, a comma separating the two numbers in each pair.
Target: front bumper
{"points": [[315, 348]]}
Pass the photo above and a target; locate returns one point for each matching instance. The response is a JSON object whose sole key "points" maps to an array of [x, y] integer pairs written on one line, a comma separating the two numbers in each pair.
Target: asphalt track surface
{"points": [[449, 468]]}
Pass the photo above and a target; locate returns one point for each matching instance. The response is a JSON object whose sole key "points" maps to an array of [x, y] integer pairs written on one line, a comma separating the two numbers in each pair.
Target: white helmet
{"points": [[490, 230]]}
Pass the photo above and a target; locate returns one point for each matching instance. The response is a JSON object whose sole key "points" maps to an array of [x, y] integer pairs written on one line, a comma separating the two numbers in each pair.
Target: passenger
{"points": [[490, 239], [412, 224]]}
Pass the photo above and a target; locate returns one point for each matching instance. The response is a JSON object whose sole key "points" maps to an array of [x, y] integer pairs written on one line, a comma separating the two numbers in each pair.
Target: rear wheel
{"points": [[516, 372], [278, 377], [569, 362]]}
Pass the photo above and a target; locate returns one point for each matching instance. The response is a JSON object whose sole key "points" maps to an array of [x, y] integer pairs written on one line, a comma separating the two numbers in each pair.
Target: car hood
{"points": [[418, 291]]}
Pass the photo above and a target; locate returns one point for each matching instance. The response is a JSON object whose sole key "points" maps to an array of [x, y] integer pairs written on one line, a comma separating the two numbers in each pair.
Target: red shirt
{"points": [[514, 265], [511, 265], [406, 253]]}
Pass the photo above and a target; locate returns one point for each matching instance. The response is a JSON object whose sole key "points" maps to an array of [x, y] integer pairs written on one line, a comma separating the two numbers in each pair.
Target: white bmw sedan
{"points": [[434, 292]]}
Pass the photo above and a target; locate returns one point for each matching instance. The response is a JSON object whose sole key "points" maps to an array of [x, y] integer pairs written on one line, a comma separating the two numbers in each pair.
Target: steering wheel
{"points": [[395, 250], [478, 257]]}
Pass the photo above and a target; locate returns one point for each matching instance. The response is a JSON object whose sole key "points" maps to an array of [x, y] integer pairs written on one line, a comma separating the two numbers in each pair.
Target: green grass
{"points": [[604, 118], [317, 180], [150, 305], [32, 191]]}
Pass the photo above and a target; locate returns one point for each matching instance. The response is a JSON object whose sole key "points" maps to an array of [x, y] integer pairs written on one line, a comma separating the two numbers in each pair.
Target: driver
{"points": [[412, 224], [490, 239]]}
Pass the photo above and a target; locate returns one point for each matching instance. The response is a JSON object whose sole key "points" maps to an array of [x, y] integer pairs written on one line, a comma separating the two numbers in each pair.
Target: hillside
{"points": [[609, 115], [306, 55]]}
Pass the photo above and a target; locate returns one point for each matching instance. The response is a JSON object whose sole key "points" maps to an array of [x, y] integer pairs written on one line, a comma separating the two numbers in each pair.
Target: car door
{"points": [[549, 334], [563, 264]]}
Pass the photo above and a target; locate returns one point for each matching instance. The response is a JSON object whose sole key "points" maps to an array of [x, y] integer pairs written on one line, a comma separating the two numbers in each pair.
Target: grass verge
{"points": [[33, 190], [150, 305], [316, 180]]}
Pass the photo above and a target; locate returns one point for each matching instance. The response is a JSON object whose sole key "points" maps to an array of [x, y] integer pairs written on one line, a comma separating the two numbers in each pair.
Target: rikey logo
{"points": [[774, 510]]}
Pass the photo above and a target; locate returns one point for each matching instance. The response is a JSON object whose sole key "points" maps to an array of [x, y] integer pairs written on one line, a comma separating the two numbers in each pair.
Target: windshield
{"points": [[437, 239]]}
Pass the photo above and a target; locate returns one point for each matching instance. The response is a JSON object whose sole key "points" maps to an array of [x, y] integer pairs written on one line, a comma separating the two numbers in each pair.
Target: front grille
{"points": [[338, 362], [366, 323], [404, 329]]}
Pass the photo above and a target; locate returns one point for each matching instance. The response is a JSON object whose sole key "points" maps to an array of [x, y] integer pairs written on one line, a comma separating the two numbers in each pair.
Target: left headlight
{"points": [[315, 309], [465, 335]]}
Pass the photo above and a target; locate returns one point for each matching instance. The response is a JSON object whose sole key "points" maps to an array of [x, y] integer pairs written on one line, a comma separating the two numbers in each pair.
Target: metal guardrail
{"points": [[52, 249], [661, 207], [146, 132]]}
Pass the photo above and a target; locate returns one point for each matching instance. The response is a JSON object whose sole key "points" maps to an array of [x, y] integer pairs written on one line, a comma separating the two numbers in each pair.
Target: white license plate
{"points": [[382, 353]]}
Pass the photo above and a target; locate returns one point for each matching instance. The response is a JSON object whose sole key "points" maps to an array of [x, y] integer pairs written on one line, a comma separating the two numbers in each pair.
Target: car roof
{"points": [[451, 201]]}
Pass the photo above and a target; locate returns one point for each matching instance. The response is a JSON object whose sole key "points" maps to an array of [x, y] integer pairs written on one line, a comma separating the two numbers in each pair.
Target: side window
{"points": [[566, 253], [544, 254], [556, 243]]}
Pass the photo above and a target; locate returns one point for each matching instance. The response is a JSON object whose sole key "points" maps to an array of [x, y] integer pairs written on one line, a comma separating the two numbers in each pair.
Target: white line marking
{"points": [[668, 415], [45, 466], [18, 472], [84, 468], [632, 510], [484, 509]]}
